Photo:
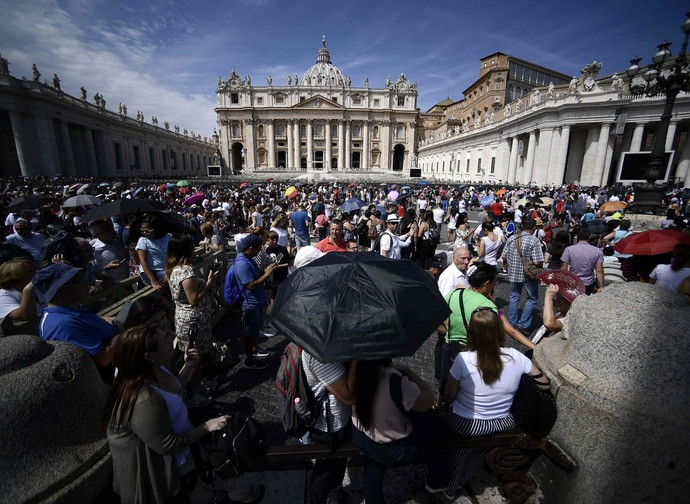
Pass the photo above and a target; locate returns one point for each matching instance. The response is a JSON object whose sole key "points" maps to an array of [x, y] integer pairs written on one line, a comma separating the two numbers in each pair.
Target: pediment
{"points": [[318, 102]]}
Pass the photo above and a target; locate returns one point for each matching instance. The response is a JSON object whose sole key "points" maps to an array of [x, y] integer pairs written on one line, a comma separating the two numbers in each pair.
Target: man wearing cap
{"points": [[253, 298], [390, 243], [334, 241], [63, 286], [455, 275]]}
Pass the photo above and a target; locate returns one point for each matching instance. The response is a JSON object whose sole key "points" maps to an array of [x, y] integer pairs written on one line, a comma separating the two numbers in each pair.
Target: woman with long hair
{"points": [[147, 424], [490, 245], [152, 251], [280, 226], [191, 294], [555, 249], [17, 296], [427, 239], [463, 233], [483, 380], [394, 426]]}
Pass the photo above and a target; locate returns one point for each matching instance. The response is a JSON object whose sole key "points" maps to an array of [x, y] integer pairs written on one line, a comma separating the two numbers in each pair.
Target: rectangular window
{"points": [[335, 99], [302, 98], [376, 102], [137, 165], [493, 165], [401, 101], [280, 99], [173, 160], [356, 100], [443, 166], [234, 98], [260, 100], [164, 156], [468, 166], [152, 158], [198, 162], [479, 165], [184, 161]]}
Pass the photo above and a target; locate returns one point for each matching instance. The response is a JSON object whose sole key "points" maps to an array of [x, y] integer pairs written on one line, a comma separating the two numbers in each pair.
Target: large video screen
{"points": [[213, 171], [632, 166]]}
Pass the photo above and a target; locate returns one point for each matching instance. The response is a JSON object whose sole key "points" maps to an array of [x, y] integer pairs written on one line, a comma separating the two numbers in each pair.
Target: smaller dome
{"points": [[323, 73]]}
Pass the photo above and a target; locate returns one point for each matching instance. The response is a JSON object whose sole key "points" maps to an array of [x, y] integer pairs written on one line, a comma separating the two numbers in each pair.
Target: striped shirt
{"points": [[319, 376], [666, 277]]}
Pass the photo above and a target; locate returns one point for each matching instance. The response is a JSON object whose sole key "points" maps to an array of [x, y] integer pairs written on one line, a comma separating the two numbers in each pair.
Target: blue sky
{"points": [[163, 57]]}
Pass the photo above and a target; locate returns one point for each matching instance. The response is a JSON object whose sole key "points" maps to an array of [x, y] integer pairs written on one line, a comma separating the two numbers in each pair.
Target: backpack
{"points": [[291, 383], [434, 234], [236, 448], [63, 243], [232, 290], [377, 243]]}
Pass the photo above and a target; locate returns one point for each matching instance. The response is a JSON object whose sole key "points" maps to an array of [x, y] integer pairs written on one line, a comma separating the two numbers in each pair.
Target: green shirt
{"points": [[471, 300]]}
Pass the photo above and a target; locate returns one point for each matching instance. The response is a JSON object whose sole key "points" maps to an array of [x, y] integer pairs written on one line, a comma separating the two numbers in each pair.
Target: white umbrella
{"points": [[81, 200], [83, 188]]}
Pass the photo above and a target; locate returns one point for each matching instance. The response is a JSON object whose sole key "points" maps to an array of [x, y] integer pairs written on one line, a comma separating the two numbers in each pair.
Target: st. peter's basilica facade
{"points": [[319, 122]]}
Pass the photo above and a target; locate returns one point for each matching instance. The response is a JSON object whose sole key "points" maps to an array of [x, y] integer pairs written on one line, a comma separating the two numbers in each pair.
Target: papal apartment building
{"points": [[319, 121]]}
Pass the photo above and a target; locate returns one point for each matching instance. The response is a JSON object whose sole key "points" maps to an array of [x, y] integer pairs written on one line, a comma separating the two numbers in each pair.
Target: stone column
{"points": [[341, 145], [297, 142], [600, 159], [638, 135], [348, 146], [386, 149], [250, 155], [561, 160], [69, 168], [529, 162], [589, 158], [47, 151], [91, 152], [271, 144], [23, 149], [366, 162], [670, 135], [542, 157], [310, 144], [327, 139], [512, 164], [502, 160], [609, 156], [290, 145]]}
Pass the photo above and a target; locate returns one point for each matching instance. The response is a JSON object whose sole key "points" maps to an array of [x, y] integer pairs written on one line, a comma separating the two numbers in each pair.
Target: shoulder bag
{"points": [[531, 269]]}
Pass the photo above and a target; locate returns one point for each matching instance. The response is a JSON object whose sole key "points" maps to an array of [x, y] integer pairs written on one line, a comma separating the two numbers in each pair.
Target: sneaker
{"points": [[434, 490], [260, 353], [208, 385], [525, 332], [268, 332], [198, 401], [254, 364]]}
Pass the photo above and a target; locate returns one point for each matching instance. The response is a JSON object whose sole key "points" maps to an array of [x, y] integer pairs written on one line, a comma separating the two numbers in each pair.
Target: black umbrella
{"points": [[123, 206], [30, 202], [579, 208], [597, 226], [359, 306]]}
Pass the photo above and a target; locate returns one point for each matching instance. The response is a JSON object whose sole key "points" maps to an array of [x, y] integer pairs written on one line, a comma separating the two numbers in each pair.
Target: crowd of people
{"points": [[54, 256]]}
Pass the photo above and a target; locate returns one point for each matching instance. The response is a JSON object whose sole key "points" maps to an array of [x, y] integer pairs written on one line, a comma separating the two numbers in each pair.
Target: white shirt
{"points": [[450, 278], [518, 216], [105, 253], [438, 215], [392, 244]]}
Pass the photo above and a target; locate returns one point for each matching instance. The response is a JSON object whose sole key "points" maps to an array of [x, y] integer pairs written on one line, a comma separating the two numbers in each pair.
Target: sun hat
{"points": [[49, 280], [392, 218]]}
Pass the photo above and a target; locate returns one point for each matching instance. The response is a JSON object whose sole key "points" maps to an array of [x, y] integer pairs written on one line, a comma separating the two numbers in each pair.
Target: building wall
{"points": [[44, 131]]}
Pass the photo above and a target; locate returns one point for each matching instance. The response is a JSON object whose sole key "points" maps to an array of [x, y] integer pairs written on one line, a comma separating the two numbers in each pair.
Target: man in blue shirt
{"points": [[25, 238], [300, 223], [63, 287], [253, 298]]}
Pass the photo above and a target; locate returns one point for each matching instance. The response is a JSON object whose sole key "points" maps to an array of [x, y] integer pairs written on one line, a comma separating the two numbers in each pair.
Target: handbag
{"points": [[236, 448], [534, 409], [531, 269]]}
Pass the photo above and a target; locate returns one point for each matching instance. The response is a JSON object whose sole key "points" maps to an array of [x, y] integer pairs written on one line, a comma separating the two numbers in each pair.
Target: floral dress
{"points": [[186, 315]]}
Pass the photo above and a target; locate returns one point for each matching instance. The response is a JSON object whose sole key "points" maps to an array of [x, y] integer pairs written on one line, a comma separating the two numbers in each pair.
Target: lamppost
{"points": [[666, 77]]}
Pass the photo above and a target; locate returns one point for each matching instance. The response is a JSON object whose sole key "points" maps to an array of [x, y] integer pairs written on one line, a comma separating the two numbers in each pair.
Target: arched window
{"points": [[318, 130], [334, 131], [236, 131], [376, 131], [261, 130]]}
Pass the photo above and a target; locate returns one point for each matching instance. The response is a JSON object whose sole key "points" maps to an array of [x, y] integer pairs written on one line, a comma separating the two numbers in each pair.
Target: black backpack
{"points": [[377, 243], [236, 448], [291, 383], [63, 243]]}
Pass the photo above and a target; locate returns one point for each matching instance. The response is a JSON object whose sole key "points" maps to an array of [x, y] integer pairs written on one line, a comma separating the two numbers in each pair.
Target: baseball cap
{"points": [[250, 240], [49, 280]]}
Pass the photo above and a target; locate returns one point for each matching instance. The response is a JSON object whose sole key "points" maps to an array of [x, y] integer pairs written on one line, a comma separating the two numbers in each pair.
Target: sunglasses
{"points": [[147, 231]]}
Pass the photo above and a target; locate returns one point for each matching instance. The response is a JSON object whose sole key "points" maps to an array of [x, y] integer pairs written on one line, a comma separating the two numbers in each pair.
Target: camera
{"points": [[191, 335]]}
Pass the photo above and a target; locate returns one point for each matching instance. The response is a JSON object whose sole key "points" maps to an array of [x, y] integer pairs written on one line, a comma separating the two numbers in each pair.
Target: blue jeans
{"points": [[301, 241], [428, 430], [532, 288]]}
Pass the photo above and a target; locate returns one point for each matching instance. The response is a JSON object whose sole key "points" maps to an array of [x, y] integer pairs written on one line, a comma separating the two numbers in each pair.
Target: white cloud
{"points": [[115, 59]]}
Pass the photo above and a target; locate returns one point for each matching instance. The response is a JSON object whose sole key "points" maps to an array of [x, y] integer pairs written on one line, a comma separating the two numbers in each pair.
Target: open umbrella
{"points": [[83, 188], [405, 188], [184, 190], [74, 187], [104, 184], [569, 284], [81, 200], [183, 183], [119, 183], [424, 182], [347, 306], [579, 208], [291, 191], [352, 205], [30, 202], [613, 206], [597, 226], [544, 201], [243, 185], [652, 242], [501, 191], [393, 195], [123, 206], [522, 201], [269, 179], [195, 199], [487, 200]]}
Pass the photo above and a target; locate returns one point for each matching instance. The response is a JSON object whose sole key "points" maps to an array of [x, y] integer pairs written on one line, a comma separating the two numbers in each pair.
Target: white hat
{"points": [[392, 218]]}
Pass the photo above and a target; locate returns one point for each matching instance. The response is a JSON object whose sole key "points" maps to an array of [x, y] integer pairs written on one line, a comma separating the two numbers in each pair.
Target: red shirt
{"points": [[497, 209], [326, 246]]}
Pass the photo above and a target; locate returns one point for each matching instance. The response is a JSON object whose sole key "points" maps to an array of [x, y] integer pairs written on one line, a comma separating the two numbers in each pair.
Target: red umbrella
{"points": [[243, 185], [269, 179], [652, 242], [184, 190], [195, 199], [162, 187]]}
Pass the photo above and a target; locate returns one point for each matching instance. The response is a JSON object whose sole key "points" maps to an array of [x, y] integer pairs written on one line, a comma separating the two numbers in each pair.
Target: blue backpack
{"points": [[232, 290]]}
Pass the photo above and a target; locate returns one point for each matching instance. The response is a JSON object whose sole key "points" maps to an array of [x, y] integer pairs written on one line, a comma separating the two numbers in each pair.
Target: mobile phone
{"points": [[278, 258], [193, 329], [123, 261]]}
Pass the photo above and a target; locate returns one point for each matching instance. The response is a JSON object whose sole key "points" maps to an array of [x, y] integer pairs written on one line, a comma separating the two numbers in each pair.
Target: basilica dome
{"points": [[323, 73]]}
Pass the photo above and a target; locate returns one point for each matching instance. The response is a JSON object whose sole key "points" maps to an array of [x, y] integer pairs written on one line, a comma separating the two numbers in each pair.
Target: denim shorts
{"points": [[251, 320]]}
